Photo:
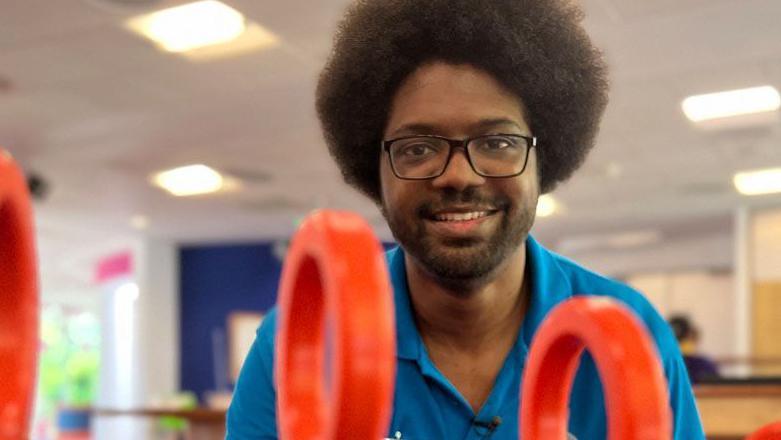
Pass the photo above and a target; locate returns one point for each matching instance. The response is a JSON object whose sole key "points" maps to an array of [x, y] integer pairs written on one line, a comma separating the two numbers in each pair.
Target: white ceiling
{"points": [[96, 109]]}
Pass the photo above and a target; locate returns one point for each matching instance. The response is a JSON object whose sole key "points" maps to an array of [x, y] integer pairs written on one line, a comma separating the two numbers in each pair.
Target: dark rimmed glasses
{"points": [[422, 157]]}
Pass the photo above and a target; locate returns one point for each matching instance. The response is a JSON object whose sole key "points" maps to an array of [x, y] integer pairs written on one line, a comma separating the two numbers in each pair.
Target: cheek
{"points": [[391, 189], [396, 194]]}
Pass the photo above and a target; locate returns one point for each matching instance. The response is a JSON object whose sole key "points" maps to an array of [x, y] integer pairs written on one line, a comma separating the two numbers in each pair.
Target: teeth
{"points": [[461, 216]]}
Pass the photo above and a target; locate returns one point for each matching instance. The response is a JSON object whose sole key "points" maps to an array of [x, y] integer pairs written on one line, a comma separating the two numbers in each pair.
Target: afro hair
{"points": [[536, 48]]}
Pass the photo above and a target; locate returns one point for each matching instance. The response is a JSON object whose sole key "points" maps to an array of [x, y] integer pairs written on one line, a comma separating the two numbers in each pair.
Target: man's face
{"points": [[458, 226]]}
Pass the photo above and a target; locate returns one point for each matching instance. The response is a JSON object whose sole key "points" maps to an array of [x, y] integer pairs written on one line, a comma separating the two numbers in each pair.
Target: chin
{"points": [[461, 261]]}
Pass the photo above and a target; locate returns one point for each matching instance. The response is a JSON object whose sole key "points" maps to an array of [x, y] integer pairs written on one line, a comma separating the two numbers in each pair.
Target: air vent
{"points": [[248, 176], [274, 205], [132, 2], [5, 84], [123, 6], [701, 189]]}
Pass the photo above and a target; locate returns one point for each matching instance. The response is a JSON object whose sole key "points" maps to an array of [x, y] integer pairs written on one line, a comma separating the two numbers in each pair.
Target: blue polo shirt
{"points": [[428, 407]]}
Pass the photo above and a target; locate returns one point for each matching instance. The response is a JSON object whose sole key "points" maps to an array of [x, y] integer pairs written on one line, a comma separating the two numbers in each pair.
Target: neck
{"points": [[475, 316]]}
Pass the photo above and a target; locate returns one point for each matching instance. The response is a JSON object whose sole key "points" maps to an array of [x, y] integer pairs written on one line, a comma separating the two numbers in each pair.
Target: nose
{"points": [[458, 173]]}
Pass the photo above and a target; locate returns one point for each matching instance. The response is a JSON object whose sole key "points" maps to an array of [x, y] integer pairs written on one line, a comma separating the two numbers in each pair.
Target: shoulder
{"points": [[269, 325], [590, 283], [266, 333]]}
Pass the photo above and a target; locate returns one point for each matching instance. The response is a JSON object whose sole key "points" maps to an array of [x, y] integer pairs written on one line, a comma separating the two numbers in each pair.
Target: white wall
{"points": [[766, 248], [118, 385], [709, 278], [140, 364], [697, 253], [706, 297], [689, 275], [158, 320], [765, 271]]}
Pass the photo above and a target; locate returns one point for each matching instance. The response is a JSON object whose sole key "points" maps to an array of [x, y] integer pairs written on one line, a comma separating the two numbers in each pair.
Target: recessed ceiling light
{"points": [[140, 222], [758, 182], [614, 170], [721, 105], [190, 26], [189, 180], [252, 39], [546, 206]]}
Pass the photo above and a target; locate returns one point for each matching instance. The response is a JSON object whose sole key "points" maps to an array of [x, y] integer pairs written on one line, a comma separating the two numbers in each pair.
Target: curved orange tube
{"points": [[634, 384], [335, 277], [769, 432], [18, 303]]}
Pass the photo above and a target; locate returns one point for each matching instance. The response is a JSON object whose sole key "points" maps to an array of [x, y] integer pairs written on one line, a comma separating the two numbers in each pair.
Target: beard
{"points": [[461, 261]]}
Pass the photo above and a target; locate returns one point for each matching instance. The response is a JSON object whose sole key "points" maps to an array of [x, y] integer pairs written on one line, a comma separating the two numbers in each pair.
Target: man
{"points": [[454, 116]]}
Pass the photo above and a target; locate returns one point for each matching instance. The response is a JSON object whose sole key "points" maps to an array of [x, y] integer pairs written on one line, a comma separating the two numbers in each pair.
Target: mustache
{"points": [[451, 199]]}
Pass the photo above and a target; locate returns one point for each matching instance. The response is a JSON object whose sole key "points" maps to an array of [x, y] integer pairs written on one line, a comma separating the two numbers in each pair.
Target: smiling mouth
{"points": [[461, 216]]}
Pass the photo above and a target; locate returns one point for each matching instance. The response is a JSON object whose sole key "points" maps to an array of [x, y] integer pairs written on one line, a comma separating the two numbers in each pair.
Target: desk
{"points": [[729, 412], [732, 411], [204, 424]]}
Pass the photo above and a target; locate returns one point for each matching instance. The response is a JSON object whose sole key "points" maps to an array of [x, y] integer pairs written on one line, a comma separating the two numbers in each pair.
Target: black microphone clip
{"points": [[489, 425]]}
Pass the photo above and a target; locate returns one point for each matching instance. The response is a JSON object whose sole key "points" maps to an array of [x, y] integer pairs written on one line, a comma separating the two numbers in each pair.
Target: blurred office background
{"points": [[151, 299]]}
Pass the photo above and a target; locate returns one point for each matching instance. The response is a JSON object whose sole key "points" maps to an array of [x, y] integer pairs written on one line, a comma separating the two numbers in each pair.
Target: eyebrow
{"points": [[423, 128]]}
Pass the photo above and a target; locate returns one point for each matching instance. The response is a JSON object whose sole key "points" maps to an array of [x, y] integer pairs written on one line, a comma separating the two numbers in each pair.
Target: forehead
{"points": [[454, 99]]}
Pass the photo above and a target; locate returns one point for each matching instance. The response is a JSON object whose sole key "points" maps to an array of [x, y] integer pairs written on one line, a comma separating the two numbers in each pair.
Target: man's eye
{"points": [[417, 150], [497, 144]]}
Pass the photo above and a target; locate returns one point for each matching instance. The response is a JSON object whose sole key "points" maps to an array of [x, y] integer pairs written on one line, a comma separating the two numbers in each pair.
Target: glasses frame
{"points": [[531, 142]]}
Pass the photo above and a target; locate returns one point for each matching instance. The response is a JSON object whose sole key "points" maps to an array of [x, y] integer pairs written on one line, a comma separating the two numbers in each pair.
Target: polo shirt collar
{"points": [[550, 286], [408, 341]]}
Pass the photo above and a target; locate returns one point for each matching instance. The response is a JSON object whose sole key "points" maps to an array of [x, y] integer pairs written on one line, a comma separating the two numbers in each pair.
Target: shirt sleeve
{"points": [[252, 413], [686, 418]]}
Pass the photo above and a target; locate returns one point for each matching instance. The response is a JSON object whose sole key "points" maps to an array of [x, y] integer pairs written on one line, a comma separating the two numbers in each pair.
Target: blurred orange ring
{"points": [[335, 269], [769, 432], [18, 303], [632, 377]]}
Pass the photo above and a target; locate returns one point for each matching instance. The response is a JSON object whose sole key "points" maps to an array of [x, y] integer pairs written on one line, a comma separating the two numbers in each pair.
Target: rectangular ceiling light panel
{"points": [[722, 105], [759, 182]]}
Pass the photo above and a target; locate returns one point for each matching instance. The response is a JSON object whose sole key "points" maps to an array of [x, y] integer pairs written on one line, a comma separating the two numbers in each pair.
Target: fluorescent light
{"points": [[701, 108], [546, 206], [189, 180], [753, 183], [190, 26]]}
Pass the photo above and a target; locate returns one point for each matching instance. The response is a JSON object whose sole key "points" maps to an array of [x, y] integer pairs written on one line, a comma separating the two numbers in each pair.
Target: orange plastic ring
{"points": [[769, 432], [18, 303], [335, 270], [632, 377]]}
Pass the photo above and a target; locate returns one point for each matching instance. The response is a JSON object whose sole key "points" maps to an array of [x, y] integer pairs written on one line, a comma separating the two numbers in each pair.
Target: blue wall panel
{"points": [[215, 281]]}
